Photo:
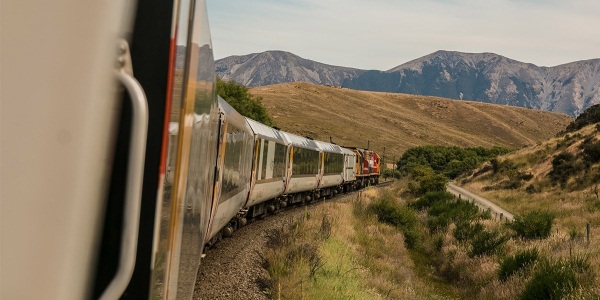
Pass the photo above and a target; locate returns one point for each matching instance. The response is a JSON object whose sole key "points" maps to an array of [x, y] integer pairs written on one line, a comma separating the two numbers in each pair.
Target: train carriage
{"points": [[271, 157], [234, 171], [303, 168], [349, 169], [332, 169]]}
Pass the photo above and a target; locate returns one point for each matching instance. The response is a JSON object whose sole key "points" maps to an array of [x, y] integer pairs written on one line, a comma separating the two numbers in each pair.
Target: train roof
{"points": [[298, 141], [328, 147], [266, 132], [347, 151], [232, 116]]}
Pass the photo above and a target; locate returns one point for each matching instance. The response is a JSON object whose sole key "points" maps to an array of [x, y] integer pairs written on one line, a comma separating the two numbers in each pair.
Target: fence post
{"points": [[587, 227]]}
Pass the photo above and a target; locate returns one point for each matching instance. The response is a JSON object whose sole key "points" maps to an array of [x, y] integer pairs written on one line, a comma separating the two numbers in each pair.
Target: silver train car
{"points": [[119, 162]]}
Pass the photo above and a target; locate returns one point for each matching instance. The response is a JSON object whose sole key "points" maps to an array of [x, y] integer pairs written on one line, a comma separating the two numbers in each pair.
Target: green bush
{"points": [[514, 263], [533, 225], [466, 230], [411, 238], [556, 279], [487, 243], [391, 173], [438, 224], [450, 161], [591, 150], [590, 116], [429, 198], [238, 97], [454, 210], [563, 166], [399, 216], [387, 211]]}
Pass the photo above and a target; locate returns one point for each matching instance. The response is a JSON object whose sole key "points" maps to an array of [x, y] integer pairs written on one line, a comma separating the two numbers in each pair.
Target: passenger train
{"points": [[119, 163]]}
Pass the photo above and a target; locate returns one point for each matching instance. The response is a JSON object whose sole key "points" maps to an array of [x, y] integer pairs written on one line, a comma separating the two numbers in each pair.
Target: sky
{"points": [[382, 34]]}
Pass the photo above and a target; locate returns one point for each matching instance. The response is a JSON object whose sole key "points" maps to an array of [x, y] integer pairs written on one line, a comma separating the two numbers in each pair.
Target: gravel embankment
{"points": [[232, 269]]}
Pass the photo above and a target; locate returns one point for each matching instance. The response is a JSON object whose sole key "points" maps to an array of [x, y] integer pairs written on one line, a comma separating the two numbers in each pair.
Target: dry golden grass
{"points": [[574, 205], [401, 121]]}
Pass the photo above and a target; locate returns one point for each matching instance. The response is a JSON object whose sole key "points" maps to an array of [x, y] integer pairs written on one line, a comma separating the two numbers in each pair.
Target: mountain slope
{"points": [[274, 67], [491, 78], [398, 121]]}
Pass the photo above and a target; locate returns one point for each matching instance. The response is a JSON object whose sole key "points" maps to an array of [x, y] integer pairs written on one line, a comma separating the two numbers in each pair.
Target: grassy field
{"points": [[400, 121], [347, 251], [338, 251]]}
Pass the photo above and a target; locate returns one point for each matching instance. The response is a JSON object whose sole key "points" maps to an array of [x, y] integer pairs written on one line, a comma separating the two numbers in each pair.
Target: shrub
{"points": [[591, 150], [533, 225], [432, 183], [590, 116], [454, 210], [411, 238], [563, 166], [391, 173], [466, 230], [512, 264], [431, 197], [387, 211], [556, 279], [399, 216], [438, 224], [238, 96], [487, 243]]}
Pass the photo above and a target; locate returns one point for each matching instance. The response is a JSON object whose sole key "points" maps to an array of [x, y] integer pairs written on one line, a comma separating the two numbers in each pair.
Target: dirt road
{"points": [[480, 201]]}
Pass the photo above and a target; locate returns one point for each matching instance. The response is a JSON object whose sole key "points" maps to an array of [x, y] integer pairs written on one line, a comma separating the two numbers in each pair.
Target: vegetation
{"points": [[555, 279], [563, 167], [401, 217], [590, 116], [449, 161], [238, 97], [533, 225], [519, 261]]}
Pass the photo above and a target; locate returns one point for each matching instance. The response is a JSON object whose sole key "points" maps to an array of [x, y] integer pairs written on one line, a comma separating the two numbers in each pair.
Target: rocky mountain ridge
{"points": [[484, 77]]}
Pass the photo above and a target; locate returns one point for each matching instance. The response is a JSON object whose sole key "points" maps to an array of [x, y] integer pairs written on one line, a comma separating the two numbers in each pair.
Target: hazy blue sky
{"points": [[381, 34]]}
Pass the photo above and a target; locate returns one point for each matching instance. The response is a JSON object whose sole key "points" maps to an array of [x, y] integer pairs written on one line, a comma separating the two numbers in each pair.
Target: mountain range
{"points": [[484, 77]]}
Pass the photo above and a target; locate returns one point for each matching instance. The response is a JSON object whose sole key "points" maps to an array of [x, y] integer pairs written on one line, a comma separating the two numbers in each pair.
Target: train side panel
{"points": [[271, 157], [349, 165], [304, 164], [332, 165], [235, 168]]}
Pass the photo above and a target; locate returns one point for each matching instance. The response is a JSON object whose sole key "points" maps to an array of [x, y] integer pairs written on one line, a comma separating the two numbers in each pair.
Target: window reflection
{"points": [[305, 162]]}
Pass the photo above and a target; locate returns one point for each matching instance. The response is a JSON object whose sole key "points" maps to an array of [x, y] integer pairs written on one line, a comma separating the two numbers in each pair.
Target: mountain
{"points": [[400, 121], [491, 78], [483, 77], [274, 67]]}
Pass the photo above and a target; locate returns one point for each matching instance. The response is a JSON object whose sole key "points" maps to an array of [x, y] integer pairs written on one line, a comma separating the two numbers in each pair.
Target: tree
{"points": [[238, 97]]}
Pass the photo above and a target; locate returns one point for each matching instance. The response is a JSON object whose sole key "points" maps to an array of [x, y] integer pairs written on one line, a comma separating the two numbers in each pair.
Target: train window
{"points": [[279, 161], [235, 163], [334, 163], [306, 161], [265, 159]]}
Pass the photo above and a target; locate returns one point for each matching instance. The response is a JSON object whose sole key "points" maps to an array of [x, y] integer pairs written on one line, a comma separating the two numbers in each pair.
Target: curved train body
{"points": [[122, 205]]}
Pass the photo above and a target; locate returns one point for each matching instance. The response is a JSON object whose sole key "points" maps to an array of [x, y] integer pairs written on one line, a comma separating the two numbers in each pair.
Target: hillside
{"points": [[399, 121], [559, 176], [484, 77]]}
